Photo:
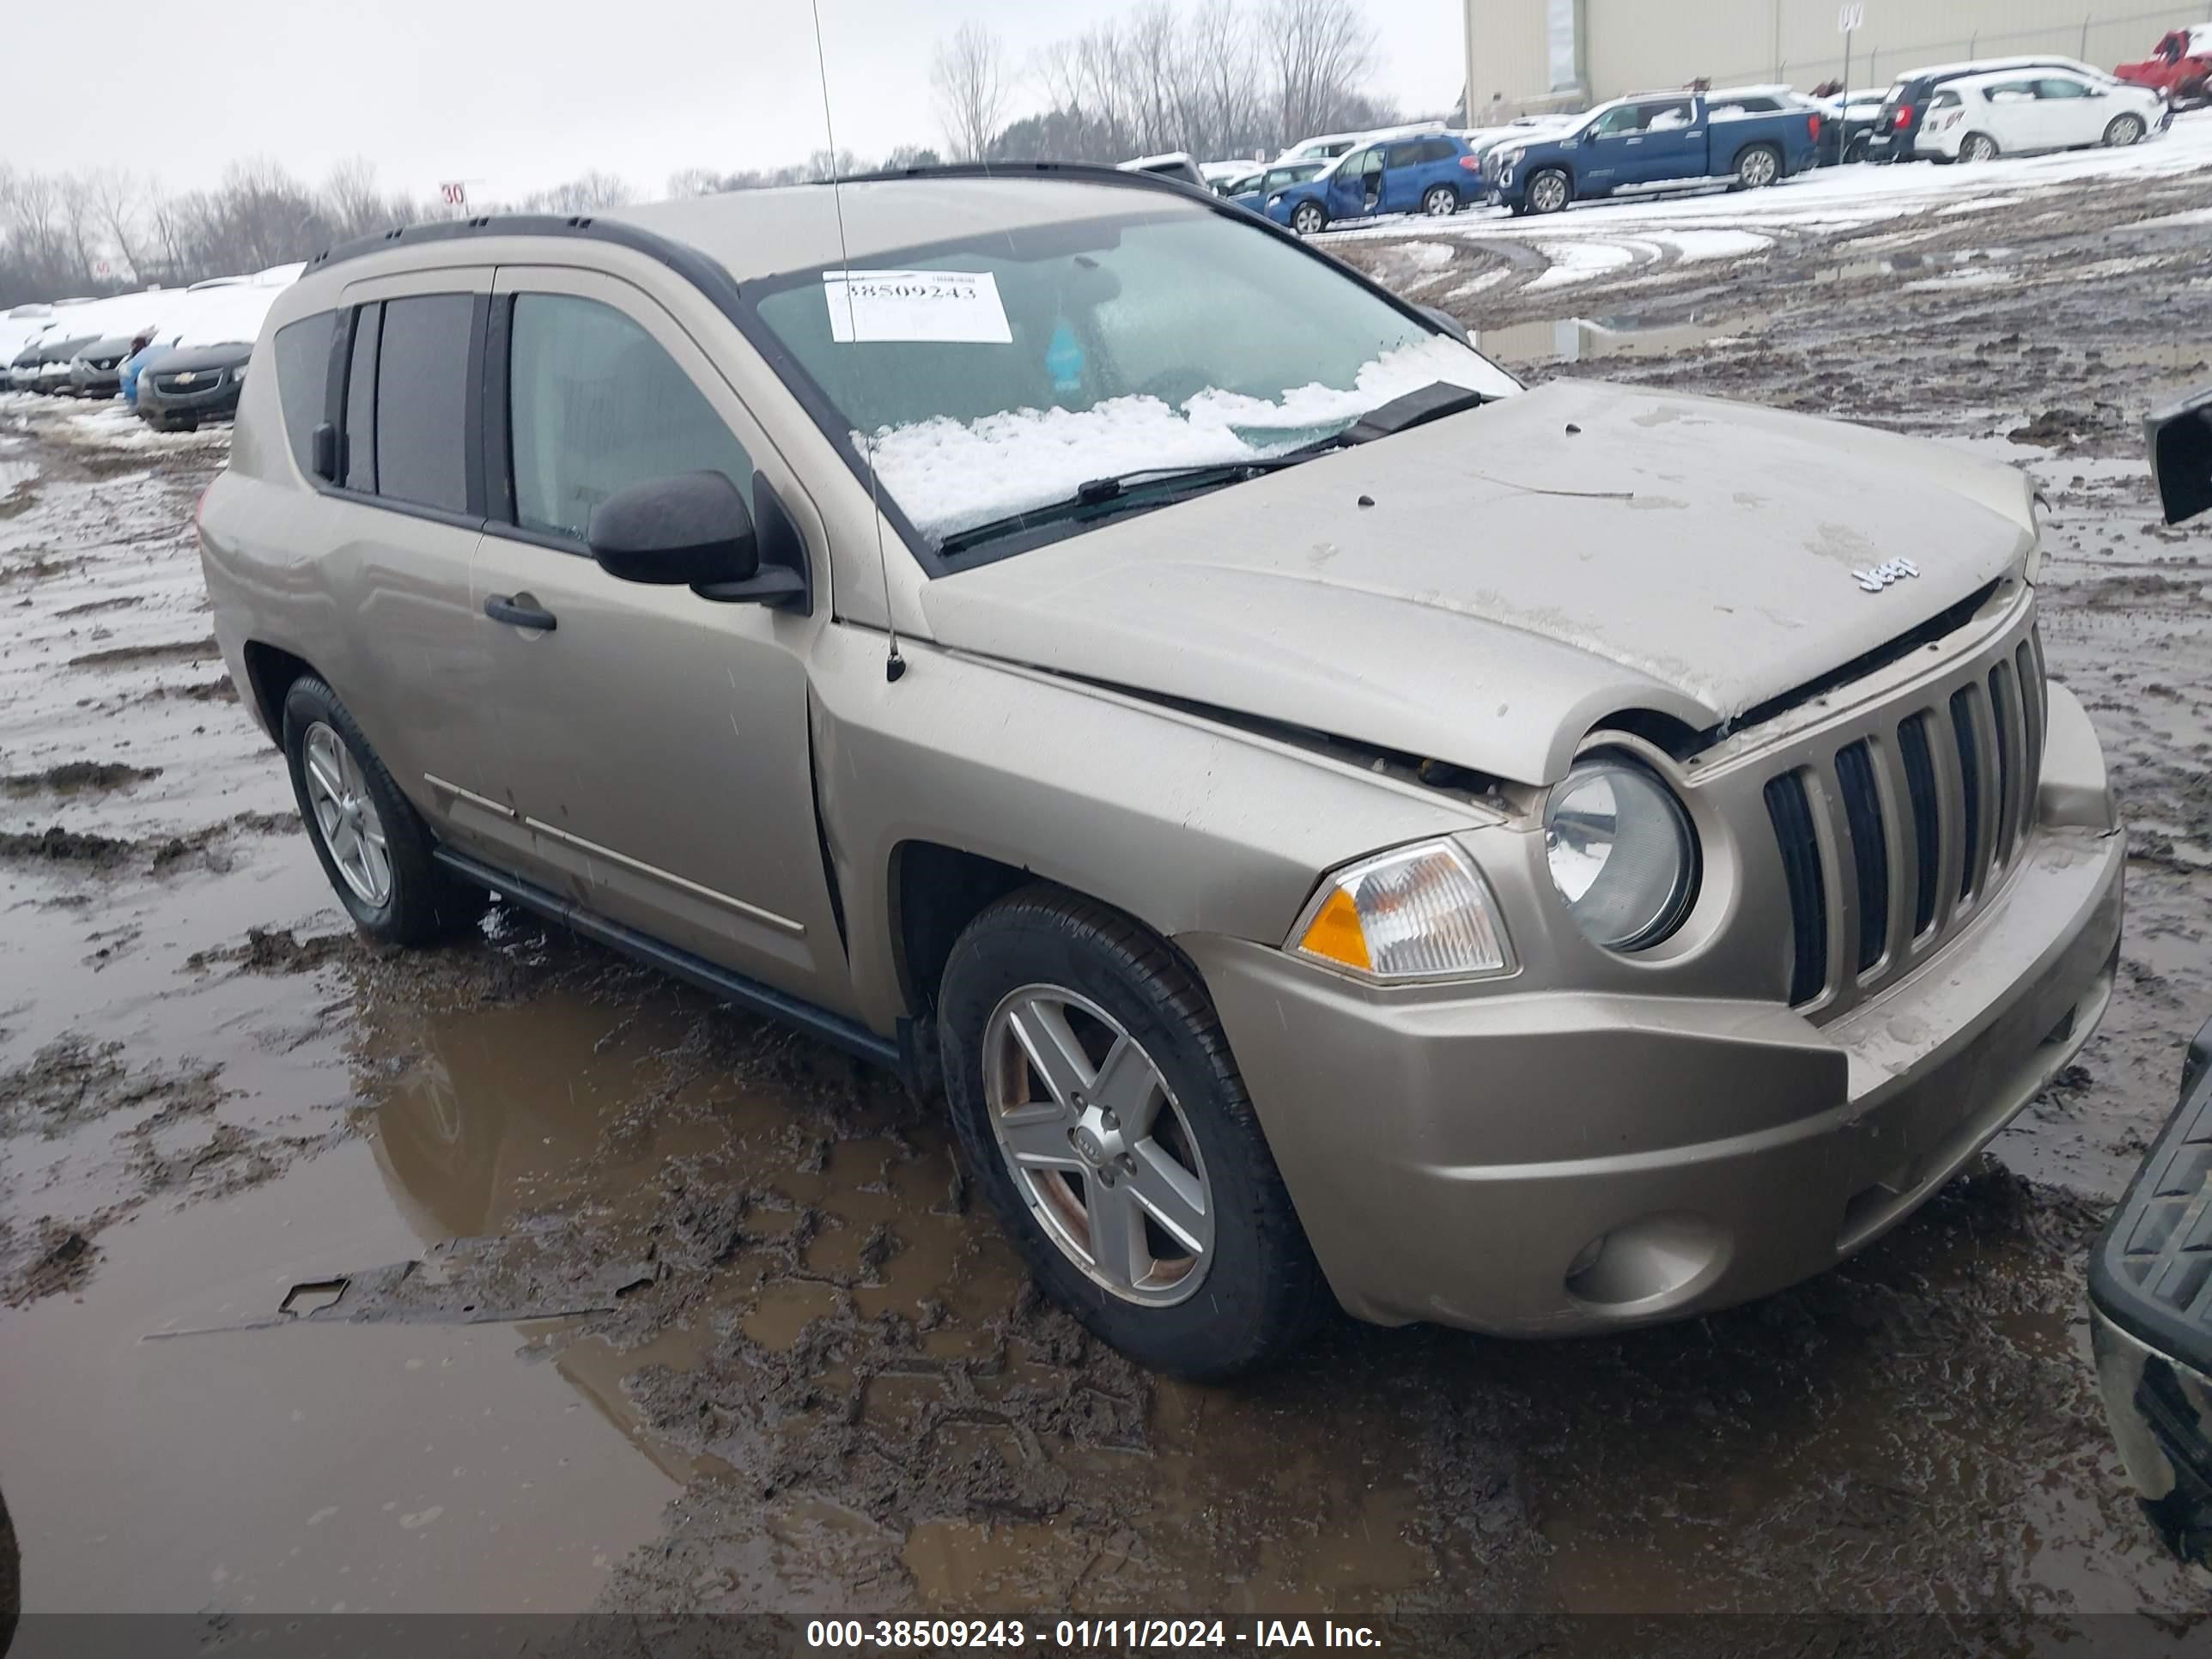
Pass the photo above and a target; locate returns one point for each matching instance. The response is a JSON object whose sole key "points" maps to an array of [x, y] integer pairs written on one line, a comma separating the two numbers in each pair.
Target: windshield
{"points": [[996, 375]]}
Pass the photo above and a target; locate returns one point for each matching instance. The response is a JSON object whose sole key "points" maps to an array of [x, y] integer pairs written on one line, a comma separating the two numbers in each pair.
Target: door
{"points": [[1672, 145], [2011, 116], [2066, 114], [404, 355], [1610, 149], [653, 750], [1356, 186], [1404, 175]]}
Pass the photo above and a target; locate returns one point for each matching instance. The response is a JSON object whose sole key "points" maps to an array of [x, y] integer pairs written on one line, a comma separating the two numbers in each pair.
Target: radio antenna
{"points": [[894, 663]]}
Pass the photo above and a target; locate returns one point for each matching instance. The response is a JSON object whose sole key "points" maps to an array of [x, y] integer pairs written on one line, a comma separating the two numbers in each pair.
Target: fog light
{"points": [[1650, 1263], [1586, 1258]]}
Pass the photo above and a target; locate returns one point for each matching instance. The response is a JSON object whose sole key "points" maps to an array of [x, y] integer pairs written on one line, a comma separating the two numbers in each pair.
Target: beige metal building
{"points": [[1530, 54]]}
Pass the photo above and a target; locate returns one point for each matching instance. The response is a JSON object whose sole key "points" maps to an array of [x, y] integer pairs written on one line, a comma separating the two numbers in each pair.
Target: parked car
{"points": [[1897, 129], [23, 367], [193, 383], [1436, 173], [1847, 126], [1690, 946], [93, 371], [1979, 118], [52, 373], [1177, 165], [126, 375], [1273, 179], [2180, 66], [1654, 142]]}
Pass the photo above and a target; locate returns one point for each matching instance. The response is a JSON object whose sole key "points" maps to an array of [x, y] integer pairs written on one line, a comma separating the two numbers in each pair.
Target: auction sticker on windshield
{"points": [[953, 306]]}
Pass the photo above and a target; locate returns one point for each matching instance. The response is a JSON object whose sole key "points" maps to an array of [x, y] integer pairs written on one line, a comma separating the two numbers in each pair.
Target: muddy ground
{"points": [[514, 1276]]}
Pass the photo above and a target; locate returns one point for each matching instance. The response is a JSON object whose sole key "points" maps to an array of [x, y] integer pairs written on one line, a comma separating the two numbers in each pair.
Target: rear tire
{"points": [[2122, 130], [1977, 147], [1042, 968], [1549, 192], [1441, 202], [375, 848], [1758, 167]]}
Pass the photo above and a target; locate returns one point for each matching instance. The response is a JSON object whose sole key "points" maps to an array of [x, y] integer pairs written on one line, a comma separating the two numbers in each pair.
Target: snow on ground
{"points": [[950, 475], [1597, 237], [114, 426]]}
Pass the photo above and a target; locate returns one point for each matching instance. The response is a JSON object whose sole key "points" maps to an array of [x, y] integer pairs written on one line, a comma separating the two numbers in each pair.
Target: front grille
{"points": [[1869, 850], [203, 380], [1934, 804], [1800, 841]]}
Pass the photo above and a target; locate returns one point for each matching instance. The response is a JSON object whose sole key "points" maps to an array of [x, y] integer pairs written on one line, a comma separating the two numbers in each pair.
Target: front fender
{"points": [[1187, 825]]}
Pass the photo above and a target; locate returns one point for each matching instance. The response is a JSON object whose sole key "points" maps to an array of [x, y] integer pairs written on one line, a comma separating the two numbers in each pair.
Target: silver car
{"points": [[1330, 823]]}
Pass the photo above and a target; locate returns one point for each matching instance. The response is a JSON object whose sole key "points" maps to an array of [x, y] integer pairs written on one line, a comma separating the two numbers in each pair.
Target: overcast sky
{"points": [[514, 95]]}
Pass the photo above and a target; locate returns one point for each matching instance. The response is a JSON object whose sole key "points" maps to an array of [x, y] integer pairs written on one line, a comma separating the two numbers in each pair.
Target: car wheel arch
{"points": [[270, 672]]}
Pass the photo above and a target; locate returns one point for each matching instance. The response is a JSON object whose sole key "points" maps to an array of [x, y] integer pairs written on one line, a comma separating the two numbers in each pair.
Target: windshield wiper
{"points": [[1093, 496], [1096, 497]]}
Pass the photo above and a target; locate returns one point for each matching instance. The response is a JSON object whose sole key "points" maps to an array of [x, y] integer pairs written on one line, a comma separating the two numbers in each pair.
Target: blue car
{"points": [[1435, 173]]}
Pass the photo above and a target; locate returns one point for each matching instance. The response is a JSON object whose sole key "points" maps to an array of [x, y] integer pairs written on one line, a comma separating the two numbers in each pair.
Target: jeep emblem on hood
{"points": [[1875, 578]]}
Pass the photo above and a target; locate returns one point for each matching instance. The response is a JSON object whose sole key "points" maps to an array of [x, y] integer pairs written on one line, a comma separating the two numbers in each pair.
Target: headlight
{"points": [[1621, 852], [239, 373], [1420, 912], [1506, 158]]}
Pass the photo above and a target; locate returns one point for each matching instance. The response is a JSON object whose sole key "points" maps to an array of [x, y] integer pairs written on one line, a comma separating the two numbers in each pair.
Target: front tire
{"points": [[1550, 192], [1441, 202], [373, 846], [1308, 219], [2122, 130], [1098, 1106]]}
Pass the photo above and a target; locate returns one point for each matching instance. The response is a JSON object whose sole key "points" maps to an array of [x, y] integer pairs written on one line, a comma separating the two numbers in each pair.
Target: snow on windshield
{"points": [[950, 474]]}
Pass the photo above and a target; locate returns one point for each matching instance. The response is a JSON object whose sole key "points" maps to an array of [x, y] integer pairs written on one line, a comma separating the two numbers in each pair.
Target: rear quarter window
{"points": [[303, 373]]}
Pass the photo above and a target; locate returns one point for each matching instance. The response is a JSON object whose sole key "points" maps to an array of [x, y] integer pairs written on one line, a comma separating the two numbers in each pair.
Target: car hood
{"points": [[213, 357], [1486, 589]]}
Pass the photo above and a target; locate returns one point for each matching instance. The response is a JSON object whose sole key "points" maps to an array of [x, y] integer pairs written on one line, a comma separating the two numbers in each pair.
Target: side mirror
{"points": [[692, 531], [2180, 443], [673, 533], [323, 453]]}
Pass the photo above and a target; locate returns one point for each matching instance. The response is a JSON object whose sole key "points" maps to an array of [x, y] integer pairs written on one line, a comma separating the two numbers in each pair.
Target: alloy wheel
{"points": [[345, 817], [1098, 1145], [1758, 169], [1549, 194]]}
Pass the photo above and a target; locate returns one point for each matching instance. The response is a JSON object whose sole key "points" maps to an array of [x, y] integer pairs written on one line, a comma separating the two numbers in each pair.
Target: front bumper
{"points": [[1456, 1160], [2150, 1305], [216, 402]]}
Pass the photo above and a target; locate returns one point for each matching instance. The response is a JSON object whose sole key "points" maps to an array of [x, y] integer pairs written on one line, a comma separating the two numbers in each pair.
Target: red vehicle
{"points": [[2180, 66]]}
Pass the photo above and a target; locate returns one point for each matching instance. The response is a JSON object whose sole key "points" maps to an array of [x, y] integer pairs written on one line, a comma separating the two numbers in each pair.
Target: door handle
{"points": [[520, 611]]}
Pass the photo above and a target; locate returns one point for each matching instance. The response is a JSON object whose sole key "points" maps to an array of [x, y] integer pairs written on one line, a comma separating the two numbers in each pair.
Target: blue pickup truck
{"points": [[1652, 142]]}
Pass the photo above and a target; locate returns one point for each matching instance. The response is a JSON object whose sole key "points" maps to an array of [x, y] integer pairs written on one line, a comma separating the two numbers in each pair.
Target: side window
{"points": [[303, 374], [2010, 92], [360, 401], [1945, 99], [1662, 117], [1438, 149], [422, 400], [1406, 154], [1627, 119], [2058, 89], [597, 406]]}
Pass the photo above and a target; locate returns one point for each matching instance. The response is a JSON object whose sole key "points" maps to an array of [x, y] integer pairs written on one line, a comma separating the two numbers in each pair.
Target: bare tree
{"points": [[1320, 52], [114, 195], [586, 194], [968, 82]]}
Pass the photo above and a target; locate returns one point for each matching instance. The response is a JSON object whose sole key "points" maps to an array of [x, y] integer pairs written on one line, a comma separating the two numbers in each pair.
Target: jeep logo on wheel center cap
{"points": [[1876, 577]]}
